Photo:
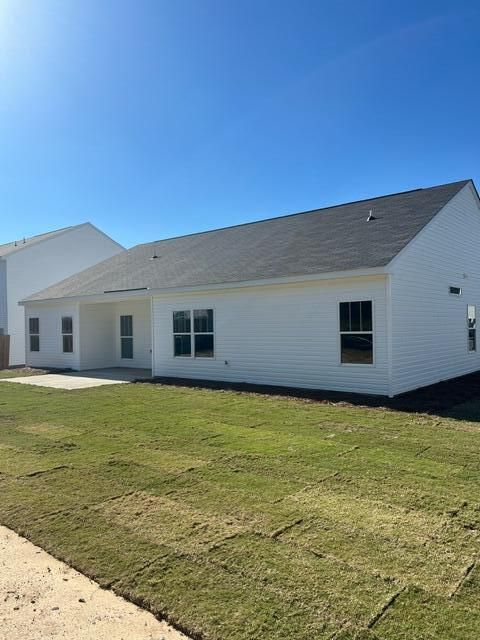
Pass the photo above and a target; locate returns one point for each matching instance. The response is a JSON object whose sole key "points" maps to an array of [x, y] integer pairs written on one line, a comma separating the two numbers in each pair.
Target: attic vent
{"points": [[370, 216], [455, 291]]}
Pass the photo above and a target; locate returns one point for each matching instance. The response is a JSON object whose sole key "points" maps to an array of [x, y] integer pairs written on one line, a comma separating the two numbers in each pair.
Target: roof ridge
{"points": [[301, 213]]}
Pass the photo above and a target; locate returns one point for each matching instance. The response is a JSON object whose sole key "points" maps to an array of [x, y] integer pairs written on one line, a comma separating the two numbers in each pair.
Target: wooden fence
{"points": [[4, 351]]}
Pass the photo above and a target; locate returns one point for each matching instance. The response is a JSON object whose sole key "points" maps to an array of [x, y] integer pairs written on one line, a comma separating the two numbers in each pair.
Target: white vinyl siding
{"points": [[140, 310], [281, 335], [429, 331], [96, 335], [51, 339], [35, 267], [3, 297], [100, 334]]}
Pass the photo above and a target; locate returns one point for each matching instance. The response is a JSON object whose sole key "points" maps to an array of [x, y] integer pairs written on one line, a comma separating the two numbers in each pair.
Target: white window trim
{"points": [[355, 365], [474, 351], [67, 334], [33, 334], [120, 316], [193, 333]]}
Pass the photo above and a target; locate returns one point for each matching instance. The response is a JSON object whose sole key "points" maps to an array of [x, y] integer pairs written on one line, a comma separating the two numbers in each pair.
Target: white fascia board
{"points": [[144, 293]]}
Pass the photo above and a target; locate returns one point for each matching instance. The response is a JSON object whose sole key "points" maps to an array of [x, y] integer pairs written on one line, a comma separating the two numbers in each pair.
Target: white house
{"points": [[378, 296], [30, 264]]}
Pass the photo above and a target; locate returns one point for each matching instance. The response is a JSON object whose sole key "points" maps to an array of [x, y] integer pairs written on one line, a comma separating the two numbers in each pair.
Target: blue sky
{"points": [[154, 118]]}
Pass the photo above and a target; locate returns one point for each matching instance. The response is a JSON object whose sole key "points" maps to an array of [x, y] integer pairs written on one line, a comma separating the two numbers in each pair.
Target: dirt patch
{"points": [[22, 372], [437, 399]]}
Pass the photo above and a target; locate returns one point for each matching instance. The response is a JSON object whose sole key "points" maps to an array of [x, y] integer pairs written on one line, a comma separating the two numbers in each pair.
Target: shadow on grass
{"points": [[458, 398]]}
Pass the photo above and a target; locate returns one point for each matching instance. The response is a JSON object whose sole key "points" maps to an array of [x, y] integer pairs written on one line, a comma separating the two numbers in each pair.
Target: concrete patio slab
{"points": [[72, 380], [45, 598]]}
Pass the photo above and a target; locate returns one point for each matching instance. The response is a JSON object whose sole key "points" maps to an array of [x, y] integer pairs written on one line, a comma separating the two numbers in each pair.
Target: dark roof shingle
{"points": [[332, 239]]}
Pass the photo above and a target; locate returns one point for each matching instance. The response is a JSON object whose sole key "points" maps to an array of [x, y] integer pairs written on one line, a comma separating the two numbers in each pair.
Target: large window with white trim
{"points": [[472, 327], [356, 332], [193, 338]]}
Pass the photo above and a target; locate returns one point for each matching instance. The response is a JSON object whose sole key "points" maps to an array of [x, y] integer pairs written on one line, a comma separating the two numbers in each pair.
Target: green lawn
{"points": [[242, 517]]}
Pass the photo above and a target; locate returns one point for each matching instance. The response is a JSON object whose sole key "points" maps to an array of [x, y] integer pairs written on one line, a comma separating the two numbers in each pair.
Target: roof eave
{"points": [[147, 292]]}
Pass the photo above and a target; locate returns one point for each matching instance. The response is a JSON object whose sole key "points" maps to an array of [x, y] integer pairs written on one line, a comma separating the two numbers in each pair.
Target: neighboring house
{"points": [[378, 296], [30, 264]]}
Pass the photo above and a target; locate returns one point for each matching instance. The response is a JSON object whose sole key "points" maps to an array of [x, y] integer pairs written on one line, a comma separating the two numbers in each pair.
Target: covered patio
{"points": [[115, 334]]}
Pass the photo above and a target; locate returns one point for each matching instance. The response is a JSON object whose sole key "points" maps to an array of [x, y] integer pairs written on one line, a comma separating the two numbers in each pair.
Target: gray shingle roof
{"points": [[332, 239]]}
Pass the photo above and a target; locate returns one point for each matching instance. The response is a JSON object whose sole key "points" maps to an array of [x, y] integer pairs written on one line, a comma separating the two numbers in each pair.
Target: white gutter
{"points": [[264, 282]]}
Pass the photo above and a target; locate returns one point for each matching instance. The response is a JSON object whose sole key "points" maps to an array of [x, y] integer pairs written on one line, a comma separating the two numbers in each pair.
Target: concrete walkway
{"points": [[42, 598], [83, 379]]}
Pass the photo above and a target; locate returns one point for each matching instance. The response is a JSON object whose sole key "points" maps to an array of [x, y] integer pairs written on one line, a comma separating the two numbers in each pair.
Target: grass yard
{"points": [[242, 517]]}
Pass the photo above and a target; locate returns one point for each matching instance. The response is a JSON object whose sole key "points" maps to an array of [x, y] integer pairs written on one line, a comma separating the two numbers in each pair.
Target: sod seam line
{"points": [[34, 474], [308, 487], [285, 528], [422, 451], [385, 607], [344, 453], [467, 571]]}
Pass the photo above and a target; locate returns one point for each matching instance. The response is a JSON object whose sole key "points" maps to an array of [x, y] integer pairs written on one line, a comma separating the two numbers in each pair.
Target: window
{"points": [[455, 291], [126, 337], [203, 329], [34, 331], [356, 332], [200, 335], [67, 334], [182, 339], [472, 327]]}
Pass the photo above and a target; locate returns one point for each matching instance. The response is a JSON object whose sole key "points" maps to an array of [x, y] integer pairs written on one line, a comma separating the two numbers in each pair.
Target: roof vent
{"points": [[154, 256], [370, 216]]}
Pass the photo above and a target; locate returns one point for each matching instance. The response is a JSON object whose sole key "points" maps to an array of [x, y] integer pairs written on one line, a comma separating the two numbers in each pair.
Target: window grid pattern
{"points": [[356, 332], [67, 334], [472, 327], [198, 334], [126, 337], [34, 333]]}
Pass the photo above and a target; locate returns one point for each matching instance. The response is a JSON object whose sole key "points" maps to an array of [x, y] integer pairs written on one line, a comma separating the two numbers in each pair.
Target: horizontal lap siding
{"points": [[3, 296], [97, 341], [141, 312], [51, 342], [37, 266], [429, 326], [96, 331], [285, 335], [100, 334]]}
